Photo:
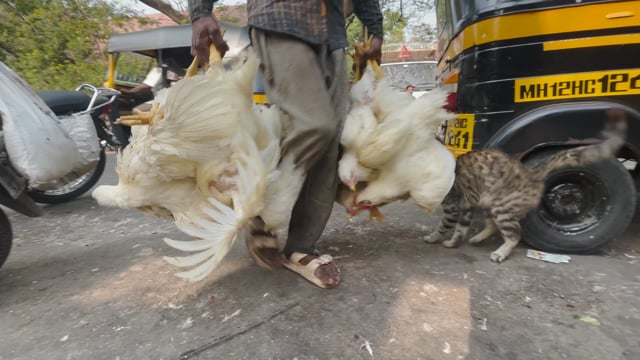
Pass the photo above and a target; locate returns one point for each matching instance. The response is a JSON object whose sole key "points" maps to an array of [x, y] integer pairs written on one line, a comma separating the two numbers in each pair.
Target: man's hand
{"points": [[374, 52], [205, 32]]}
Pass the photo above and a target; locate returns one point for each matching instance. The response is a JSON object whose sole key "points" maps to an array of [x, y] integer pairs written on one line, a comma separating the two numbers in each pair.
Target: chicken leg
{"points": [[142, 118], [145, 118], [371, 63]]}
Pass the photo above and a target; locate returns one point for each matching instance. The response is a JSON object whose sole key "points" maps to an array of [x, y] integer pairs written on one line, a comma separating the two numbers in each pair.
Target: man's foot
{"points": [[321, 270], [263, 245], [263, 248]]}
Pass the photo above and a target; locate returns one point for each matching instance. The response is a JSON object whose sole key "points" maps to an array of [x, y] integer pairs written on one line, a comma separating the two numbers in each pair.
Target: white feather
{"points": [[221, 226]]}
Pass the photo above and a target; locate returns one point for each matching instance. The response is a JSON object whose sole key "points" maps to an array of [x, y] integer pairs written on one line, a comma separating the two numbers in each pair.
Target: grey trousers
{"points": [[309, 83]]}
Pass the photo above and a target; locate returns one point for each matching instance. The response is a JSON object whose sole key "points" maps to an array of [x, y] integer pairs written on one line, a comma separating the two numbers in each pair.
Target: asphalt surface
{"points": [[86, 282]]}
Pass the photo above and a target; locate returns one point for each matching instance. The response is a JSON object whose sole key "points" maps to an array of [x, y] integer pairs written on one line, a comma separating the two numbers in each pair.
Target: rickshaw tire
{"points": [[45, 198], [619, 204], [6, 237]]}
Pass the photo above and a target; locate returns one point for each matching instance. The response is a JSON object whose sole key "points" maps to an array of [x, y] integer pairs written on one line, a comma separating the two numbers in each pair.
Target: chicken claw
{"points": [[374, 213], [143, 118], [360, 49]]}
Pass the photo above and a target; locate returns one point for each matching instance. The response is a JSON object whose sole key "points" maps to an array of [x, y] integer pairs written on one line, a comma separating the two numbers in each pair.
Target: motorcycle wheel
{"points": [[72, 189], [6, 237]]}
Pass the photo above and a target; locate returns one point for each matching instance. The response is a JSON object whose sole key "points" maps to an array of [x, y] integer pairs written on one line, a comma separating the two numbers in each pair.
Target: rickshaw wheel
{"points": [[6, 237], [582, 209]]}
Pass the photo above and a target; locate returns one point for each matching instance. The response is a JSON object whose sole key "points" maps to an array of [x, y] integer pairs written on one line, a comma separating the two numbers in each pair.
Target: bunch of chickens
{"points": [[209, 161], [389, 143]]}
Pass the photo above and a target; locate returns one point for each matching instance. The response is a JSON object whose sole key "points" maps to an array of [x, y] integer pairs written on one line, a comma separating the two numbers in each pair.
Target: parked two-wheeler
{"points": [[78, 102], [14, 189]]}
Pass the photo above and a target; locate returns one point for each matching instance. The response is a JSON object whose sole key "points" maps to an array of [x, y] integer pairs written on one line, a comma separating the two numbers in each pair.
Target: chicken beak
{"points": [[352, 187]]}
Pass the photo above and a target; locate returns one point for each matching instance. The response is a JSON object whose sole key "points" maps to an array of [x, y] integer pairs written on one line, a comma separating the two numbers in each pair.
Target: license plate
{"points": [[458, 135], [578, 85]]}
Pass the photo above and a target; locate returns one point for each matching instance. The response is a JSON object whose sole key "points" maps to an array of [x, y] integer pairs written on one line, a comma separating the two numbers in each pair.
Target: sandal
{"points": [[321, 270], [263, 248], [263, 245]]}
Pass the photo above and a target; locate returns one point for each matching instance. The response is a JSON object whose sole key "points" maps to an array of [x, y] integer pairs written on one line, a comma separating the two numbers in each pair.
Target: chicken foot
{"points": [[142, 118]]}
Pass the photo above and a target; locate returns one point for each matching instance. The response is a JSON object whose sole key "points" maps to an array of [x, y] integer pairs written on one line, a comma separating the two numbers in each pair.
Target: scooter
{"points": [[14, 188]]}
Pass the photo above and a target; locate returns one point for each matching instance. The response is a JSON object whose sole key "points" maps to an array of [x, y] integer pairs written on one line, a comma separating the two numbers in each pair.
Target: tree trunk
{"points": [[168, 10]]}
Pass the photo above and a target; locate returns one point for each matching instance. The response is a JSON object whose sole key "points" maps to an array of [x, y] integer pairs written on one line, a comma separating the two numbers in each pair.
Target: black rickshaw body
{"points": [[524, 64], [531, 77]]}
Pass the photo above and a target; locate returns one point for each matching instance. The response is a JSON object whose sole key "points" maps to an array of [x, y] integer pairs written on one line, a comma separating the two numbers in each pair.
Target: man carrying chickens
{"points": [[301, 45]]}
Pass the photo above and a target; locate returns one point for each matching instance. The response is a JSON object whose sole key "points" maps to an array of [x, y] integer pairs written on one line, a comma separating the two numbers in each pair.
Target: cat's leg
{"points": [[509, 226], [462, 228], [447, 222], [489, 229]]}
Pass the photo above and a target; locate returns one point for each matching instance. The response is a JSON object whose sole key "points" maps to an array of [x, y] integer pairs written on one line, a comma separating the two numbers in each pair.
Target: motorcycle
{"points": [[14, 189]]}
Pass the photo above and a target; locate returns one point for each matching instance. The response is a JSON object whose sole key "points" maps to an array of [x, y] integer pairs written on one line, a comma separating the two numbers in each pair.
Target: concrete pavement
{"points": [[85, 282]]}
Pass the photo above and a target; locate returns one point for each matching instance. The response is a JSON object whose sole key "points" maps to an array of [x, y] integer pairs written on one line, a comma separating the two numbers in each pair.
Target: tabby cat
{"points": [[507, 191]]}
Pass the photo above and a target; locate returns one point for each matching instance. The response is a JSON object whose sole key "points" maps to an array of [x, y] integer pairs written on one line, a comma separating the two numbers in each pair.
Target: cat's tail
{"points": [[614, 133]]}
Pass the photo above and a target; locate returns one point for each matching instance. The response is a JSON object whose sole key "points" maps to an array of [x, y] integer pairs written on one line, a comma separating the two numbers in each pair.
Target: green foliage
{"points": [[58, 44], [393, 26], [423, 33]]}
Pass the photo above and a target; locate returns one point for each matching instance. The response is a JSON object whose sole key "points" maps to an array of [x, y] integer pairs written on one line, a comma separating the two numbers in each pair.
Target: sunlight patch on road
{"points": [[433, 316], [152, 282]]}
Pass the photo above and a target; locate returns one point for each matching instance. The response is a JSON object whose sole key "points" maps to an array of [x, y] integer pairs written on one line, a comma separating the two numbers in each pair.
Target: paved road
{"points": [[85, 282]]}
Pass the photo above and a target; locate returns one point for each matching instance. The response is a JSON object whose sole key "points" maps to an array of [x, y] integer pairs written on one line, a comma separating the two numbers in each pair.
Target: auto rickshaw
{"points": [[533, 77], [132, 55]]}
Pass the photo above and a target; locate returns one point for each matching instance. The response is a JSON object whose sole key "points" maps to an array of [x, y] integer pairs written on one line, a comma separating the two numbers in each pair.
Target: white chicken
{"points": [[210, 161], [389, 143]]}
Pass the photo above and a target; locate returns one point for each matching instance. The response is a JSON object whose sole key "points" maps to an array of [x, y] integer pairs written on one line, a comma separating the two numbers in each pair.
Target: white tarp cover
{"points": [[39, 146]]}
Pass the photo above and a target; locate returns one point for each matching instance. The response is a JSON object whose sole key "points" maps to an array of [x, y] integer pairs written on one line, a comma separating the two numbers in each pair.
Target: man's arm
{"points": [[199, 8], [205, 30], [368, 11]]}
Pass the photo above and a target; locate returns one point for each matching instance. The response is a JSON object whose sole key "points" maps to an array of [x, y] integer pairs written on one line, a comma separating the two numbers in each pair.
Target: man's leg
{"points": [[301, 80], [315, 203]]}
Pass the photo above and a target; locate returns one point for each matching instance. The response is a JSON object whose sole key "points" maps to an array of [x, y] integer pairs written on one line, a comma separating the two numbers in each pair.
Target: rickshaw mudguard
{"points": [[562, 124]]}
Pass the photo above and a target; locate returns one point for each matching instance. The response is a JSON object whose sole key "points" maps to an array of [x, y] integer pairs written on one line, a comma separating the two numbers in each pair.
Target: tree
{"points": [[393, 26], [423, 33], [57, 44], [175, 10]]}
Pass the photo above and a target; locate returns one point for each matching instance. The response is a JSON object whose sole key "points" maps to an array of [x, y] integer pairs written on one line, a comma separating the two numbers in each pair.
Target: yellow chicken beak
{"points": [[352, 187]]}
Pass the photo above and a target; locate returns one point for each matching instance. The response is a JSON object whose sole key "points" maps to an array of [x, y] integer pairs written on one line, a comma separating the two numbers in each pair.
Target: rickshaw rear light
{"points": [[452, 102]]}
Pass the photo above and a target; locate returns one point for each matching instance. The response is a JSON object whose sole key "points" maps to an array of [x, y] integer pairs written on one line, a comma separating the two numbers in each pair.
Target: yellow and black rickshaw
{"points": [[532, 77]]}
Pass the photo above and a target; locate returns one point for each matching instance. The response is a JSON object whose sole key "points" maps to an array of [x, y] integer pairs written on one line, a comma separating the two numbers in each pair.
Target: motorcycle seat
{"points": [[63, 102]]}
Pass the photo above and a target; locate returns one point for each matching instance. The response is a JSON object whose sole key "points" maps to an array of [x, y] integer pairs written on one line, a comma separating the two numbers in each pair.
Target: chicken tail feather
{"points": [[428, 111], [219, 226]]}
